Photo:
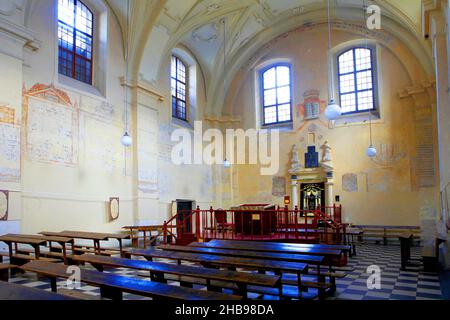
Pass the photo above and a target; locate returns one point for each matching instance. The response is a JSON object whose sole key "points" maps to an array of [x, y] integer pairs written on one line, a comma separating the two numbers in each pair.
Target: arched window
{"points": [[75, 37], [179, 83], [356, 80], [276, 94]]}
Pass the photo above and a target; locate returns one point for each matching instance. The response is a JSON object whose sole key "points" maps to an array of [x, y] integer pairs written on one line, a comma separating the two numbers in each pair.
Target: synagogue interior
{"points": [[224, 150]]}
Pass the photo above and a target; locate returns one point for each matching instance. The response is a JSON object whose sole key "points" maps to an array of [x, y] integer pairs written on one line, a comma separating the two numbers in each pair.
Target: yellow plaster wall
{"points": [[387, 195]]}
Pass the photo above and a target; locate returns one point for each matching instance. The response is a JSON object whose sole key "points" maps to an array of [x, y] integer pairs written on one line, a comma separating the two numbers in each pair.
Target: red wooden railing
{"points": [[320, 225]]}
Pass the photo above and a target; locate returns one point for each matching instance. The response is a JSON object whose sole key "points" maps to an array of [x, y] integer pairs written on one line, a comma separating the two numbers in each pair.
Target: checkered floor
{"points": [[395, 284]]}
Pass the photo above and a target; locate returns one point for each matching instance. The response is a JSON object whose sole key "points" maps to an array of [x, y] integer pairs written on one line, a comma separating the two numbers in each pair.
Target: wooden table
{"points": [[11, 291], [96, 237], [62, 241], [11, 239], [158, 270], [112, 286], [144, 230]]}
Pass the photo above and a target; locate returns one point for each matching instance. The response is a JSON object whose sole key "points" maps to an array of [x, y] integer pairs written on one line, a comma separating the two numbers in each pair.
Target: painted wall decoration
{"points": [[388, 155], [51, 126], [350, 182], [103, 151], [113, 208], [312, 108], [278, 186], [7, 115], [10, 153], [4, 198]]}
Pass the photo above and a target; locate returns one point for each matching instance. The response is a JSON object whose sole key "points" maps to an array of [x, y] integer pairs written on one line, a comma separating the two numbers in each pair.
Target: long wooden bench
{"points": [[11, 291], [386, 233], [214, 278], [262, 265], [268, 250], [112, 286], [315, 260], [264, 245], [285, 249]]}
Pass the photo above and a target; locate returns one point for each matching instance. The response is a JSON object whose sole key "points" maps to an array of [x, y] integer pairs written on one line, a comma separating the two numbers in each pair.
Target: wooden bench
{"points": [[264, 245], [11, 291], [262, 251], [211, 261], [331, 252], [386, 233], [183, 274], [112, 286], [315, 260]]}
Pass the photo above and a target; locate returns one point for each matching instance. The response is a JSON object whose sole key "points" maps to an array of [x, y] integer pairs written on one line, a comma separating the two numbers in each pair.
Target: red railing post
{"points": [[287, 220], [197, 223], [212, 223], [296, 221], [165, 232]]}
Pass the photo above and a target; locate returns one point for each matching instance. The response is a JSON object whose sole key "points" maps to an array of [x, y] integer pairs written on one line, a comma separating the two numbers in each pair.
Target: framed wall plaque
{"points": [[4, 197], [113, 208]]}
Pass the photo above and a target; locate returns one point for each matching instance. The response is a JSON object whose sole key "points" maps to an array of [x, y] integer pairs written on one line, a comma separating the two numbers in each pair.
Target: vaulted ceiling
{"points": [[157, 26]]}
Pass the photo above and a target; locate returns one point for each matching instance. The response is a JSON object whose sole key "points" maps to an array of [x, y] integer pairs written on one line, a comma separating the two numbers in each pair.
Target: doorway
{"points": [[184, 209]]}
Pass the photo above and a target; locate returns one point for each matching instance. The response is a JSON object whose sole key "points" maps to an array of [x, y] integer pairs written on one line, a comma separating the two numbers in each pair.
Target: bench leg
{"points": [[53, 284], [111, 293], [242, 291], [4, 275]]}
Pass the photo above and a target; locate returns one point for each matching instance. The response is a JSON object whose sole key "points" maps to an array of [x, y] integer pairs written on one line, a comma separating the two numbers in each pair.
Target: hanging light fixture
{"points": [[126, 140], [226, 163], [333, 110], [371, 151]]}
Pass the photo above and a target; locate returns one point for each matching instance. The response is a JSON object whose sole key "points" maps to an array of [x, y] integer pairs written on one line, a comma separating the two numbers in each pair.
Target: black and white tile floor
{"points": [[395, 284]]}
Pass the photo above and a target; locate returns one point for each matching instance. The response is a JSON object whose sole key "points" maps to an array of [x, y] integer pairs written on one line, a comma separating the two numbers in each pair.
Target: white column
{"points": [[329, 193], [294, 198]]}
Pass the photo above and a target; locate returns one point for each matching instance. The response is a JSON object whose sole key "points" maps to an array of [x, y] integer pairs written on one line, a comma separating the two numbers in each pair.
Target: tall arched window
{"points": [[356, 80], [276, 94], [75, 40], [179, 83]]}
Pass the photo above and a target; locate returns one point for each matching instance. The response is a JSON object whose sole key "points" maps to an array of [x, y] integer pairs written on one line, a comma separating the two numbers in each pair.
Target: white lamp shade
{"points": [[126, 140], [226, 163], [371, 151], [333, 111]]}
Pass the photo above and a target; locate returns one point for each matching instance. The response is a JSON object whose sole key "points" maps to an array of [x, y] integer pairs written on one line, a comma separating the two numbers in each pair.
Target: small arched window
{"points": [[179, 83], [75, 40], [276, 94], [356, 80]]}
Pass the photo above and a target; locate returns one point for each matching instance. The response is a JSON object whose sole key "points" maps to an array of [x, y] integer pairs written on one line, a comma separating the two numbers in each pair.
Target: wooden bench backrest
{"points": [[226, 261], [311, 259]]}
